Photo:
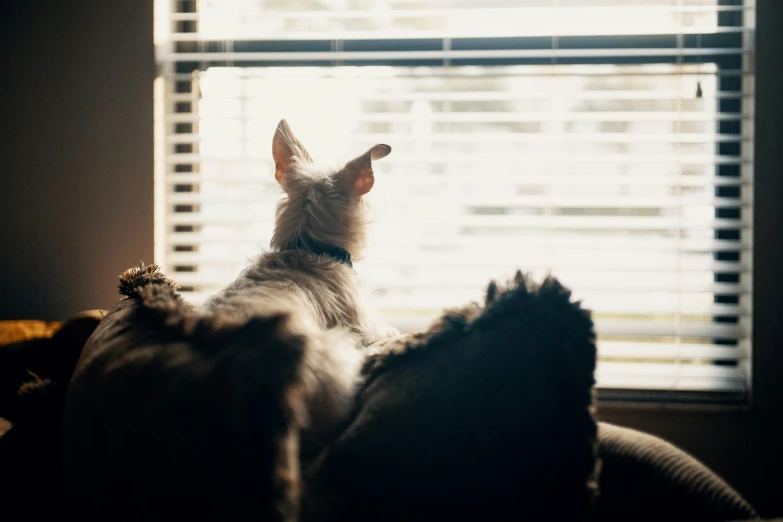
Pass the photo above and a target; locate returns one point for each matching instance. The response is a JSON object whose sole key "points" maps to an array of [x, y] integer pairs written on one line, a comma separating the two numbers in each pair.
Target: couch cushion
{"points": [[40, 350], [22, 330], [34, 372], [486, 416], [175, 416], [5, 425]]}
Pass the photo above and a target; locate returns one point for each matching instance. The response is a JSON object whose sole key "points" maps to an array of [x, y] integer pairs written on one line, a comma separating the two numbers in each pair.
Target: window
{"points": [[604, 141]]}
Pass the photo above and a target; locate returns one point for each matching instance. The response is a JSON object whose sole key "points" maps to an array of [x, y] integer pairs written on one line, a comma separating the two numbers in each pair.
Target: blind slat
{"points": [[669, 158], [524, 138], [628, 243], [610, 263], [498, 54], [670, 377], [481, 95], [553, 10], [500, 202], [261, 19], [640, 350], [542, 222], [417, 178]]}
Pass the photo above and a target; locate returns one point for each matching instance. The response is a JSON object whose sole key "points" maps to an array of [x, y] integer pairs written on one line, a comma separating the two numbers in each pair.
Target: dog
{"points": [[213, 412], [308, 275]]}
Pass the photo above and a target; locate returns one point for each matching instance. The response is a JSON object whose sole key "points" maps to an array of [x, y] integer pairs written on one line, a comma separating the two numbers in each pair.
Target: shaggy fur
{"points": [[321, 295], [485, 416]]}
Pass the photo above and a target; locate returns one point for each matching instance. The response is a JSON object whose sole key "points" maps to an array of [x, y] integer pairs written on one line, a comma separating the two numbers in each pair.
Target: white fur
{"points": [[320, 295]]}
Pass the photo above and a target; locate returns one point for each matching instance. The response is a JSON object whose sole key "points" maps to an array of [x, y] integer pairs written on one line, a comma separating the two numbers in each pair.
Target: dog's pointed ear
{"points": [[357, 177], [286, 147]]}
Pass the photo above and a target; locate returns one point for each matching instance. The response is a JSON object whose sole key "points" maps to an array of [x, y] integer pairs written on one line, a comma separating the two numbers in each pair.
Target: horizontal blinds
{"points": [[526, 50], [258, 19], [625, 174]]}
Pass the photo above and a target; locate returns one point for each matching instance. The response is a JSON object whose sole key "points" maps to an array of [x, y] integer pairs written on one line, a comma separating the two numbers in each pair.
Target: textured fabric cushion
{"points": [[174, 416], [19, 341], [40, 350], [33, 375], [486, 416], [5, 425], [645, 478], [22, 330]]}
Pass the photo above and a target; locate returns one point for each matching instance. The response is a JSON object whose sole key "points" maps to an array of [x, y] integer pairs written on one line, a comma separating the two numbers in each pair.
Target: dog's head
{"points": [[324, 204]]}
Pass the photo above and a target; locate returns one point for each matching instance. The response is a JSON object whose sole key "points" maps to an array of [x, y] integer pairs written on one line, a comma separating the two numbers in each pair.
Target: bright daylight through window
{"points": [[604, 141]]}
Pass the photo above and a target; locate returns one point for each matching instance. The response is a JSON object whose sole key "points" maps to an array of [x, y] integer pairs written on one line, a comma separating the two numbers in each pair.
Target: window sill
{"points": [[661, 400]]}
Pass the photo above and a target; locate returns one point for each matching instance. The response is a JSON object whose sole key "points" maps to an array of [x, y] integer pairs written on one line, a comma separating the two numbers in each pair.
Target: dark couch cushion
{"points": [[486, 416], [174, 416]]}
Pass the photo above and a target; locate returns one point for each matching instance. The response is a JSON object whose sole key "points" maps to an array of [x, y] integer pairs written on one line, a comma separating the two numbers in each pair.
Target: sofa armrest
{"points": [[40, 350], [645, 478]]}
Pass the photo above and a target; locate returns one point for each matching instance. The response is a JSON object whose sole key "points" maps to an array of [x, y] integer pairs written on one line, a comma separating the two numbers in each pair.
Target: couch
{"points": [[642, 477]]}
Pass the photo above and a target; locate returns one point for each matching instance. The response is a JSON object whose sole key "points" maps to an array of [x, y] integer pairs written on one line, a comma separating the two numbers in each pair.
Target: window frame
{"points": [[671, 49]]}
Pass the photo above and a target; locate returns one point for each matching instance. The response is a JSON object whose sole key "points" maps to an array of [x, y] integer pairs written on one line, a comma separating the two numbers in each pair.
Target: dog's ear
{"points": [[357, 177], [286, 147]]}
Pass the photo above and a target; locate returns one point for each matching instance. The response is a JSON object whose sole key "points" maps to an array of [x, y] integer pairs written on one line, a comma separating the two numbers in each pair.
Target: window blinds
{"points": [[604, 142]]}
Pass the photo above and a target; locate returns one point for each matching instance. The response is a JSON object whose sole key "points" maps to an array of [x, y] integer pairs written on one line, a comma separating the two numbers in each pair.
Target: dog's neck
{"points": [[309, 244], [310, 210]]}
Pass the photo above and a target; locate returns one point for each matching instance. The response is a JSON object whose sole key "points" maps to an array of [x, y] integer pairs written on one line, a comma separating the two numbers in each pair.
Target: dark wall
{"points": [[76, 154], [76, 203]]}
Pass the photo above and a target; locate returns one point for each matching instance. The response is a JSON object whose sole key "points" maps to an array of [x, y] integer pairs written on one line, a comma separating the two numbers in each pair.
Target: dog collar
{"points": [[309, 244]]}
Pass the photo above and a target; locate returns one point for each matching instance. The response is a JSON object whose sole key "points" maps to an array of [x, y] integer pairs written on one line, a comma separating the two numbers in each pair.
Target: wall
{"points": [[76, 156], [76, 203]]}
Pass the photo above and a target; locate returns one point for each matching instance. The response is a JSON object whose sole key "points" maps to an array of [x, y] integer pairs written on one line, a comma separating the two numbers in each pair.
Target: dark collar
{"points": [[309, 244]]}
